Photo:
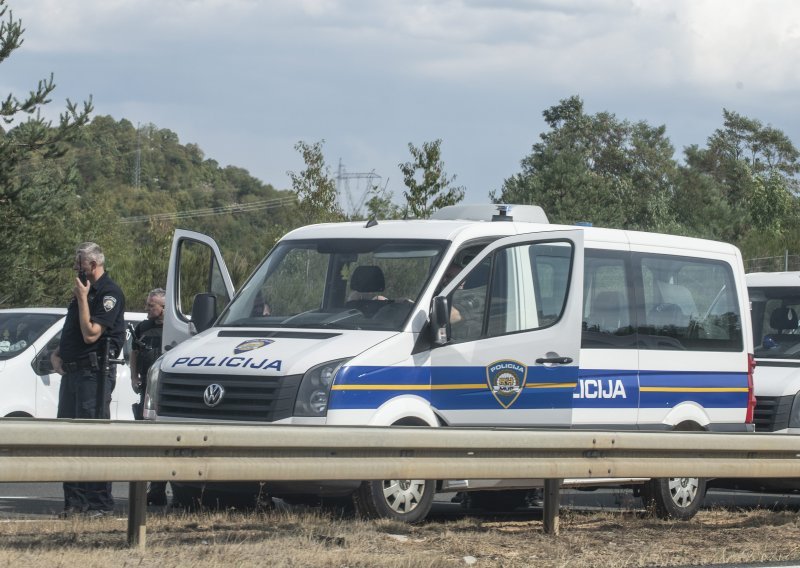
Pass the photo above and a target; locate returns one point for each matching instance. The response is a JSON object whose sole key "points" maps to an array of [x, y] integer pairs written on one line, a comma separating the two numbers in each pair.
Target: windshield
{"points": [[775, 315], [337, 283], [18, 330]]}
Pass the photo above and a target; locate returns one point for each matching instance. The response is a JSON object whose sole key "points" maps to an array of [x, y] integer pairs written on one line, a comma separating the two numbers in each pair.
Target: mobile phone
{"points": [[82, 273]]}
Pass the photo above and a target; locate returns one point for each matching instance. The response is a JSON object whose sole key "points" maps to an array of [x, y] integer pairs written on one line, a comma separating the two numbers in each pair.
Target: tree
{"points": [[755, 169], [429, 188], [380, 205], [37, 184], [597, 168], [314, 186]]}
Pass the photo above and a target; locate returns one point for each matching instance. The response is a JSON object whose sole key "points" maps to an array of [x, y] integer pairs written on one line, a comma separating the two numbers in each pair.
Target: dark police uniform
{"points": [[147, 344], [85, 392]]}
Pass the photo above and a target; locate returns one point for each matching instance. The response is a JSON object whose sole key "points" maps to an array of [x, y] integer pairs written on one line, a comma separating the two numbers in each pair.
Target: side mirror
{"points": [[41, 364], [440, 320], [204, 311]]}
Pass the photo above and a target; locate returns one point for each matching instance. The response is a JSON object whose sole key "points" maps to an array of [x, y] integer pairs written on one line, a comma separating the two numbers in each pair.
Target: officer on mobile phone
{"points": [[93, 333]]}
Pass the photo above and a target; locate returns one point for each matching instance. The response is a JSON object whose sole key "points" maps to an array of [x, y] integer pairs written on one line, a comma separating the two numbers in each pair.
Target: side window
{"points": [[199, 273], [607, 301], [518, 288], [41, 364], [688, 303]]}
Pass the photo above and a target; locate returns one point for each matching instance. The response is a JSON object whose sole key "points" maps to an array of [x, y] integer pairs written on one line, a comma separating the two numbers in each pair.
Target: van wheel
{"points": [[405, 500], [674, 497]]}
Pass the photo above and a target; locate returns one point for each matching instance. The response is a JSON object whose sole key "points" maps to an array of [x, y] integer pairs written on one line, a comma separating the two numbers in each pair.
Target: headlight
{"points": [[315, 388], [794, 415], [151, 390]]}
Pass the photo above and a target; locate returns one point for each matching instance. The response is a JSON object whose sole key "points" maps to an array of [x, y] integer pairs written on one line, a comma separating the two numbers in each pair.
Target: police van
{"points": [[544, 325], [775, 306]]}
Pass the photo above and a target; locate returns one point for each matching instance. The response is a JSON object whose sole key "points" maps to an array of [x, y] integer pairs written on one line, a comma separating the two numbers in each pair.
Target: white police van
{"points": [[544, 326], [29, 385], [775, 305]]}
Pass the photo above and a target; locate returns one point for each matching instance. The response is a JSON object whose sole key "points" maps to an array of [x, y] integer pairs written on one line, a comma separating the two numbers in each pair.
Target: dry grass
{"points": [[289, 539]]}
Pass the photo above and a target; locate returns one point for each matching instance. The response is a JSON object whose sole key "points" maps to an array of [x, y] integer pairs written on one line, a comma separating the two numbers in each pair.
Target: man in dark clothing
{"points": [[146, 349], [94, 329]]}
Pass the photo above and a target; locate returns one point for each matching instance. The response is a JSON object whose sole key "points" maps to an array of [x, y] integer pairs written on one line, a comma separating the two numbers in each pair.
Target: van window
{"points": [[199, 273], [518, 288], [337, 283], [607, 301], [18, 330], [688, 303], [775, 322]]}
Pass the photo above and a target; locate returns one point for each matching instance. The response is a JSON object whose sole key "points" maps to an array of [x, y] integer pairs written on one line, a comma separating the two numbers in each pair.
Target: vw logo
{"points": [[213, 395]]}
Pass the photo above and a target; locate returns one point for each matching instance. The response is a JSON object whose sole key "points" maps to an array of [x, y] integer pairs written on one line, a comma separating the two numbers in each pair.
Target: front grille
{"points": [[264, 399], [772, 413]]}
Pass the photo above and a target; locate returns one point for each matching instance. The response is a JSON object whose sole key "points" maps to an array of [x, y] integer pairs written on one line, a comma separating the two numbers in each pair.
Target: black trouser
{"points": [[78, 397]]}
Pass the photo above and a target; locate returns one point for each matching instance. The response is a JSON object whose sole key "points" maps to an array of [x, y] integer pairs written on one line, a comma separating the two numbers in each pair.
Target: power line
{"points": [[209, 211]]}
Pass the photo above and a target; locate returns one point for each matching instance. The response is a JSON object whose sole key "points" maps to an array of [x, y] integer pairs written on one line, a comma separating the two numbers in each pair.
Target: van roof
{"points": [[776, 279], [461, 231]]}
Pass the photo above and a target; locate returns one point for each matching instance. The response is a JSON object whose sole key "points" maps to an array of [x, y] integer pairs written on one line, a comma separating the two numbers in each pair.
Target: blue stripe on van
{"points": [[451, 388], [659, 389]]}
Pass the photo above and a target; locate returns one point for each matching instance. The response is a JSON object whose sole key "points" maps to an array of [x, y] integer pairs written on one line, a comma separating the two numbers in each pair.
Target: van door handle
{"points": [[554, 360]]}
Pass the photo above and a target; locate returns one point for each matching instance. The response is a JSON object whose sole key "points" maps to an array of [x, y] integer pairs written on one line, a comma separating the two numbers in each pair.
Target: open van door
{"points": [[195, 267], [507, 351]]}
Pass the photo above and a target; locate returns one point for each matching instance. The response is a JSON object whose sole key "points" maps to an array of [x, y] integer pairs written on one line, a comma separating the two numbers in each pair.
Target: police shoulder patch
{"points": [[109, 302]]}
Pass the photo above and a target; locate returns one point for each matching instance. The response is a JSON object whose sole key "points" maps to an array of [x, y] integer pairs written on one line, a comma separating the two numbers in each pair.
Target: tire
{"points": [[674, 497], [405, 500]]}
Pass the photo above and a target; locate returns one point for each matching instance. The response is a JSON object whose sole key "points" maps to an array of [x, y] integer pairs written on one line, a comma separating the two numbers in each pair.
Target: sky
{"points": [[246, 80]]}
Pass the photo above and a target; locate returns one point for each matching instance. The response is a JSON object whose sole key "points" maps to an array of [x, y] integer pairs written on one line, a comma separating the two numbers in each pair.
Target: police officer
{"points": [[93, 330], [146, 349]]}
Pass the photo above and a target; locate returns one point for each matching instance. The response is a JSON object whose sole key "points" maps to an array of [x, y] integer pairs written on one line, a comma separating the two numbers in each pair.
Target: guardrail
{"points": [[91, 450]]}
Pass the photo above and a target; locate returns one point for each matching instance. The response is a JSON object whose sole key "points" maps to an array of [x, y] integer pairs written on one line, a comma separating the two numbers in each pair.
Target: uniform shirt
{"points": [[107, 308], [148, 347]]}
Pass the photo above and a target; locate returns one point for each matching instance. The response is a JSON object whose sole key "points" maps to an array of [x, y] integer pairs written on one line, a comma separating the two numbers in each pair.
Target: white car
{"points": [[27, 380]]}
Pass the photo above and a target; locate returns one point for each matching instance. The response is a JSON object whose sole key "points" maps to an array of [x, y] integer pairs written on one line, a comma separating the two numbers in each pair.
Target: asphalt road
{"points": [[45, 500]]}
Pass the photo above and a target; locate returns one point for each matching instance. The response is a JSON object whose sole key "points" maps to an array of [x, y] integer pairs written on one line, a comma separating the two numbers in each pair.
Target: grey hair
{"points": [[91, 252], [160, 292]]}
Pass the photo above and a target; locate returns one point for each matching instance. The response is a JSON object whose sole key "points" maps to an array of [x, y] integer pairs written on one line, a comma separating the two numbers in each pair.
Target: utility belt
{"points": [[91, 361]]}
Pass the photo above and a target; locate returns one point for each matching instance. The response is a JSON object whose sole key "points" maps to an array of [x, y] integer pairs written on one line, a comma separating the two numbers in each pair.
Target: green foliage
{"points": [[771, 205], [597, 168], [314, 187], [380, 205], [429, 188], [39, 208]]}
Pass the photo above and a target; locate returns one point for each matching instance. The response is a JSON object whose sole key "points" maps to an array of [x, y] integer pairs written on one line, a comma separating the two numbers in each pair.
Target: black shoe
{"points": [[156, 499], [98, 513]]}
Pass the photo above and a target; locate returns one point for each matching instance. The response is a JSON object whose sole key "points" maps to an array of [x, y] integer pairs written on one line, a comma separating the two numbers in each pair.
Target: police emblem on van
{"points": [[251, 344], [213, 394], [506, 380]]}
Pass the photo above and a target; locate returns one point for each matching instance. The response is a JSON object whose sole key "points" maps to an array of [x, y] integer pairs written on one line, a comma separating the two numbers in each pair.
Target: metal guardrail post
{"points": [[552, 504], [137, 514]]}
